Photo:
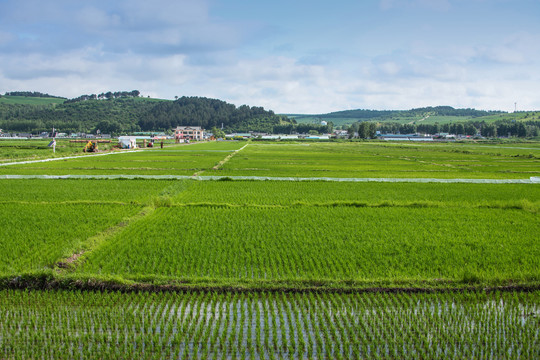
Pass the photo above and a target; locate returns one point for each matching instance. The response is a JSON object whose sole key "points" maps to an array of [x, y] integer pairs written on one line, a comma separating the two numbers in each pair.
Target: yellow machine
{"points": [[91, 147]]}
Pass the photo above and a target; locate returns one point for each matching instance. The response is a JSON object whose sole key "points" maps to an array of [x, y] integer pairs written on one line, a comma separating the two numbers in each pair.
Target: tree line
{"points": [[31, 94], [106, 96], [121, 112], [522, 129], [384, 115]]}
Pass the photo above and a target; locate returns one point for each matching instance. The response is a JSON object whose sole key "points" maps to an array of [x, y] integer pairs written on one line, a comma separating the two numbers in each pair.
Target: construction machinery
{"points": [[91, 147]]}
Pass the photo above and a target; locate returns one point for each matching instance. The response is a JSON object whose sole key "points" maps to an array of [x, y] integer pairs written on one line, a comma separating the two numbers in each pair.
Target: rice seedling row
{"points": [[329, 243], [72, 324], [144, 162], [361, 160], [319, 192], [315, 160], [80, 190], [36, 235]]}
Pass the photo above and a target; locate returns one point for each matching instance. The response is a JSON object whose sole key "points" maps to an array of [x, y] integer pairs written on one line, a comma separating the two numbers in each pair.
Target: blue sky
{"points": [[292, 56]]}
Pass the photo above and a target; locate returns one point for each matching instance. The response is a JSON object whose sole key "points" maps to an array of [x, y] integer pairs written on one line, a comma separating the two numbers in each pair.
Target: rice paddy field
{"points": [[381, 160], [185, 268]]}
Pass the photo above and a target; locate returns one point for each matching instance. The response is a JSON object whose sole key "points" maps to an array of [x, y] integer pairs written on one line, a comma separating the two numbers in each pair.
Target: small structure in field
{"points": [[188, 133], [127, 142]]}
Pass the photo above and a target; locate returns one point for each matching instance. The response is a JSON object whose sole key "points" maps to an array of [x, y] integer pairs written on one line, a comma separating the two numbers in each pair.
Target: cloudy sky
{"points": [[293, 56]]}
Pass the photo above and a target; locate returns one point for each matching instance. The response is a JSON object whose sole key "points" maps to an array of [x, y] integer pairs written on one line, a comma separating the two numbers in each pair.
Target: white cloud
{"points": [[173, 48]]}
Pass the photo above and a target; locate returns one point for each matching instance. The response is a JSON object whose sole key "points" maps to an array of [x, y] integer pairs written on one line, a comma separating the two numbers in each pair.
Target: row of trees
{"points": [[208, 113], [106, 96], [365, 130], [521, 129], [31, 94], [302, 128]]}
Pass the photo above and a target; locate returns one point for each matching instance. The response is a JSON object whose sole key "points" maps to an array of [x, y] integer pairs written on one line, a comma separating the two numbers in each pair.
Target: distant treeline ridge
{"points": [[31, 94]]}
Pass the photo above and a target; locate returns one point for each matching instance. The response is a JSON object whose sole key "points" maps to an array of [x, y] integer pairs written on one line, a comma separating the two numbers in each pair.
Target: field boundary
{"points": [[92, 243], [532, 180], [71, 281]]}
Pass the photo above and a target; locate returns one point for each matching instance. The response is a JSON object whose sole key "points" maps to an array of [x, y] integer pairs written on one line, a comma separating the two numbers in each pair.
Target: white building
{"points": [[188, 133]]}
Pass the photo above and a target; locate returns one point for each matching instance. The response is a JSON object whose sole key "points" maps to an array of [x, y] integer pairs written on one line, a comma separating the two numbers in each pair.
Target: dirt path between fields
{"points": [[93, 242], [222, 162]]}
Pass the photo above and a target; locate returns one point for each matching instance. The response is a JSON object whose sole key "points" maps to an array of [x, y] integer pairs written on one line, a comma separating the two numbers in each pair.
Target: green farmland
{"points": [[165, 263], [382, 160], [29, 100]]}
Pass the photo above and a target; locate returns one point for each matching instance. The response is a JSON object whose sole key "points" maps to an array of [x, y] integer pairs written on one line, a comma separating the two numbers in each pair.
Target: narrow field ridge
{"points": [[71, 262], [69, 281], [222, 162], [532, 180]]}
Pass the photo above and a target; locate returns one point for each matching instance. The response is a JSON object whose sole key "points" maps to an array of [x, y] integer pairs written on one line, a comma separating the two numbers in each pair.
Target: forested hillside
{"points": [[119, 112], [430, 110], [347, 117]]}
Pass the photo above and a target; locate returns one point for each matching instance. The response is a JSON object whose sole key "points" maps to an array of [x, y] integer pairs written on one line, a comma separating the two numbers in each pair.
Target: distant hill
{"points": [[125, 111], [441, 113], [432, 120]]}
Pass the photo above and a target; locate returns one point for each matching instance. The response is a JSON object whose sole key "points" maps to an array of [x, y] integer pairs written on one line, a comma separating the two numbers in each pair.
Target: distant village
{"points": [[182, 134]]}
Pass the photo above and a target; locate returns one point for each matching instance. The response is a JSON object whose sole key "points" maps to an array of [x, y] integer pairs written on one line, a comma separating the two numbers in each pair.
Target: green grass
{"points": [[73, 324], [30, 100]]}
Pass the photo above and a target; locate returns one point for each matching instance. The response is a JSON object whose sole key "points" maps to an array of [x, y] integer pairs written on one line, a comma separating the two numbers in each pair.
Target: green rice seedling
{"points": [[413, 245]]}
